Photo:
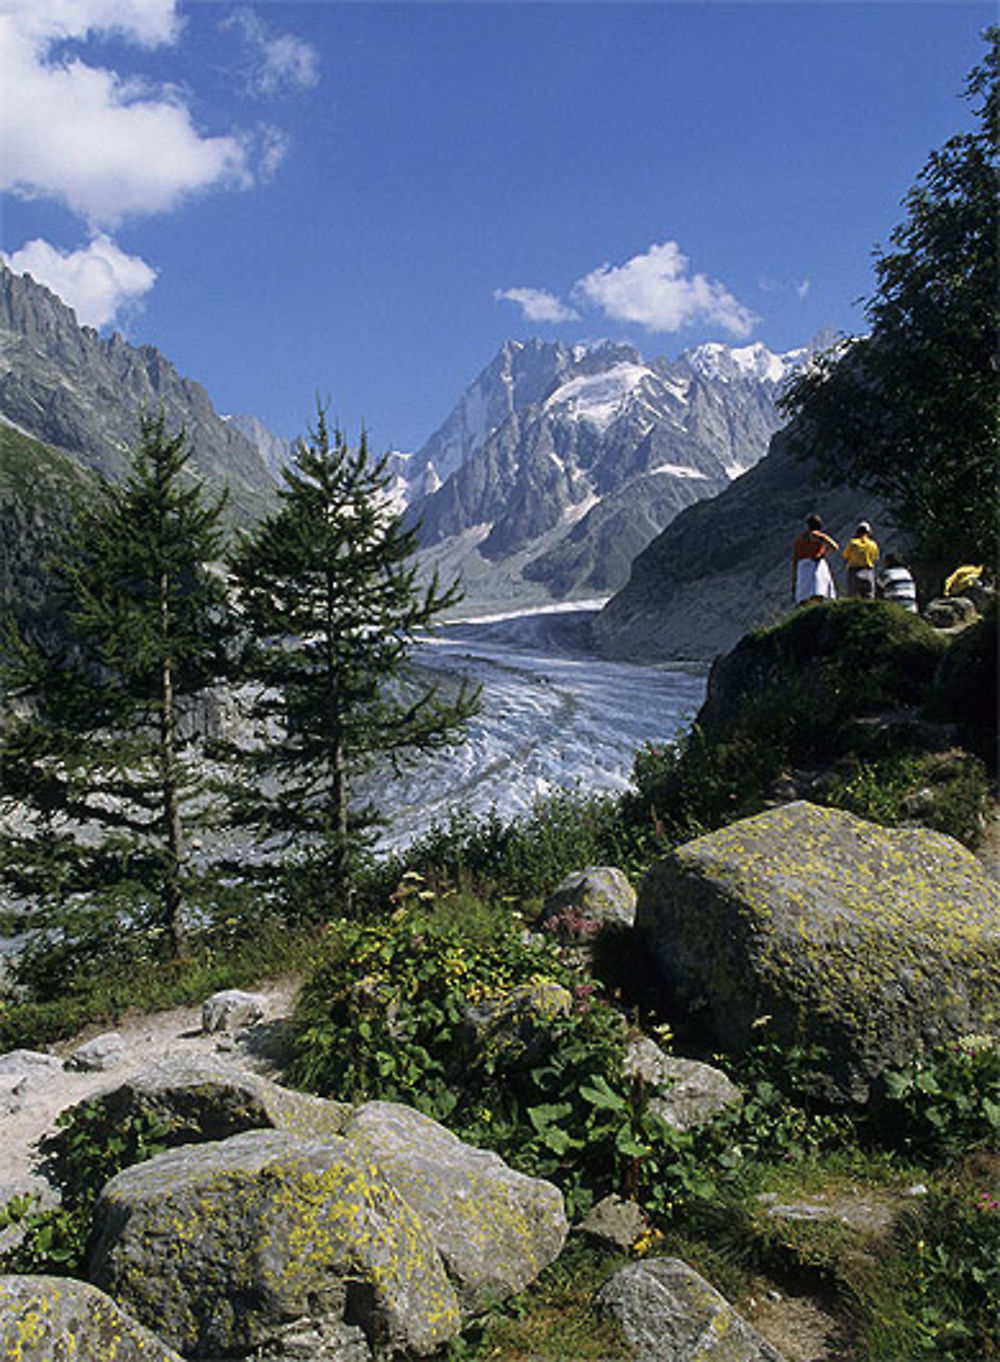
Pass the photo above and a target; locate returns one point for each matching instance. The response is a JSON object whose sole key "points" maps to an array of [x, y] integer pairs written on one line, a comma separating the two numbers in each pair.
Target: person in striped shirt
{"points": [[895, 583]]}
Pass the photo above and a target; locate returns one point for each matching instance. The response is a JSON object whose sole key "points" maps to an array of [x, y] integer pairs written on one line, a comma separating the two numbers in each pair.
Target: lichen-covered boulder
{"points": [[872, 942], [45, 1318], [496, 1229], [221, 1245], [668, 1313], [587, 903], [208, 1098], [683, 1092]]}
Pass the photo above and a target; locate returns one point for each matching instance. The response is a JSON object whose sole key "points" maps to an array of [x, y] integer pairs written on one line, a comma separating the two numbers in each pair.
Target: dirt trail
{"points": [[32, 1095]]}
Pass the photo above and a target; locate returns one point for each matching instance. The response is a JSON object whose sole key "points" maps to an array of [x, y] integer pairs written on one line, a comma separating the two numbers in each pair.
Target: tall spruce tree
{"points": [[911, 410], [329, 599], [99, 768]]}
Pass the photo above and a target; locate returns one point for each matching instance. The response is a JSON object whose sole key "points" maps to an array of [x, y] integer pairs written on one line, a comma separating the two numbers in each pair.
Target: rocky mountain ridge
{"points": [[563, 462], [64, 385]]}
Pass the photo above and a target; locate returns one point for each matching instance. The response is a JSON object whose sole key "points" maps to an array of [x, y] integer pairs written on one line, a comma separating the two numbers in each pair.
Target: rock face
{"points": [[394, 1225], [44, 1318], [588, 901], [683, 1092], [222, 1244], [872, 942], [668, 1313], [205, 1099], [722, 567]]}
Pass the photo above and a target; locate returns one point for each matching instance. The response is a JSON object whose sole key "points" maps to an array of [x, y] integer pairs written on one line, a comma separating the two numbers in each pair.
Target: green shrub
{"points": [[500, 1039], [83, 1157], [518, 861], [942, 1104], [949, 792], [939, 1293]]}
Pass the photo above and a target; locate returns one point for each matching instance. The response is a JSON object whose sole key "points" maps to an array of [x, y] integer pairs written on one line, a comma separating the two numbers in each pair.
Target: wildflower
{"points": [[647, 1240]]}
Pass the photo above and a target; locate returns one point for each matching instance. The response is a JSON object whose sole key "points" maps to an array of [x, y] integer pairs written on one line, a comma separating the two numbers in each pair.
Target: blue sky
{"points": [[366, 200]]}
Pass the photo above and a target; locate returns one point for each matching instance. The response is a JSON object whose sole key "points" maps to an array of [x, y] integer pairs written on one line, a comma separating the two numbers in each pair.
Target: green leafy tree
{"points": [[332, 609], [910, 411], [99, 767]]}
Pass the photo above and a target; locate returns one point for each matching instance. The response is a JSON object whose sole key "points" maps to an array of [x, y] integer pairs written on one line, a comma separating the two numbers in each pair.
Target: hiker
{"points": [[861, 555], [895, 583], [812, 579]]}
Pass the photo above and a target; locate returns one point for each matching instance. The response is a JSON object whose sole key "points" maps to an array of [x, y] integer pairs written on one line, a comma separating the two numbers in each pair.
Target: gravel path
{"points": [[35, 1088]]}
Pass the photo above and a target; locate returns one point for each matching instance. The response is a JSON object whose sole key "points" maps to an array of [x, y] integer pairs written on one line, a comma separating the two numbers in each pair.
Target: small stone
{"points": [[918, 1189], [231, 1010], [106, 1051]]}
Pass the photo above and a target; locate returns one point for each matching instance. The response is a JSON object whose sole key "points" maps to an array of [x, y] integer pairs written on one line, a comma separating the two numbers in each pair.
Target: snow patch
{"points": [[677, 470], [598, 398]]}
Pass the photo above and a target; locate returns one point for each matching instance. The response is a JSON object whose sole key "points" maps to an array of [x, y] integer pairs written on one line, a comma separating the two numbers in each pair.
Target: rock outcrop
{"points": [[587, 902], [314, 1213], [494, 1228], [872, 942], [683, 1092], [63, 384], [44, 1318], [204, 1099]]}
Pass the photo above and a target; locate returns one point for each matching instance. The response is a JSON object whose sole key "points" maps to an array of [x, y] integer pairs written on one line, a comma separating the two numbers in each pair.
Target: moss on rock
{"points": [[44, 1318], [221, 1245], [869, 941]]}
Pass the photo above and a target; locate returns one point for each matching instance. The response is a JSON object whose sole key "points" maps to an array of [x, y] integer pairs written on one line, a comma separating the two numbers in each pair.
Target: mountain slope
{"points": [[723, 567], [65, 386]]}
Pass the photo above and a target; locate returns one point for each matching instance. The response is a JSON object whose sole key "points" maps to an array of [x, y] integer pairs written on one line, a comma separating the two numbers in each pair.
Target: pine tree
{"points": [[911, 410], [102, 771], [328, 596]]}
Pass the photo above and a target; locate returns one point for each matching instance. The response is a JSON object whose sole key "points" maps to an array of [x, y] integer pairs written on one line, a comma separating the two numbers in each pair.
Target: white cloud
{"points": [[107, 147], [148, 22], [96, 281], [277, 61], [537, 305], [803, 289], [657, 291]]}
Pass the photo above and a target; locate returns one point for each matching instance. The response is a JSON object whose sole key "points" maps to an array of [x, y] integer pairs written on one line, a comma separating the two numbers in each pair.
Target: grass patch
{"points": [[552, 1319]]}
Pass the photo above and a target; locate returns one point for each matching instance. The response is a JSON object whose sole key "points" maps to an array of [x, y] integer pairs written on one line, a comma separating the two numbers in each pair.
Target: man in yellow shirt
{"points": [[861, 555]]}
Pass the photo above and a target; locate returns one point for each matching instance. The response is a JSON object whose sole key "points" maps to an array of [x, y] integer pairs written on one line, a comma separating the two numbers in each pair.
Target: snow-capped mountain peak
{"points": [[755, 362]]}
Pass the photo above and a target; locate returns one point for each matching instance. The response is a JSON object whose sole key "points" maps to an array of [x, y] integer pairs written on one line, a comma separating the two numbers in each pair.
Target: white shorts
{"points": [[813, 578]]}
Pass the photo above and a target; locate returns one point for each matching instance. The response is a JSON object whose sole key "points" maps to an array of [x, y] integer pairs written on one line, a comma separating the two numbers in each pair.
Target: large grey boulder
{"points": [[47, 1318], [684, 1093], [873, 942], [208, 1098], [496, 1229], [221, 1245], [668, 1313]]}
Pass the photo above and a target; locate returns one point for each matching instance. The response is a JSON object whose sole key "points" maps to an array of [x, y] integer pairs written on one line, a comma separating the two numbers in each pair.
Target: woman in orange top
{"points": [[811, 576]]}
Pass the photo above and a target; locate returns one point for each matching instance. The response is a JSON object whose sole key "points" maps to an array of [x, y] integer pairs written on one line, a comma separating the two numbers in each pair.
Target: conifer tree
{"points": [[97, 760], [332, 609]]}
